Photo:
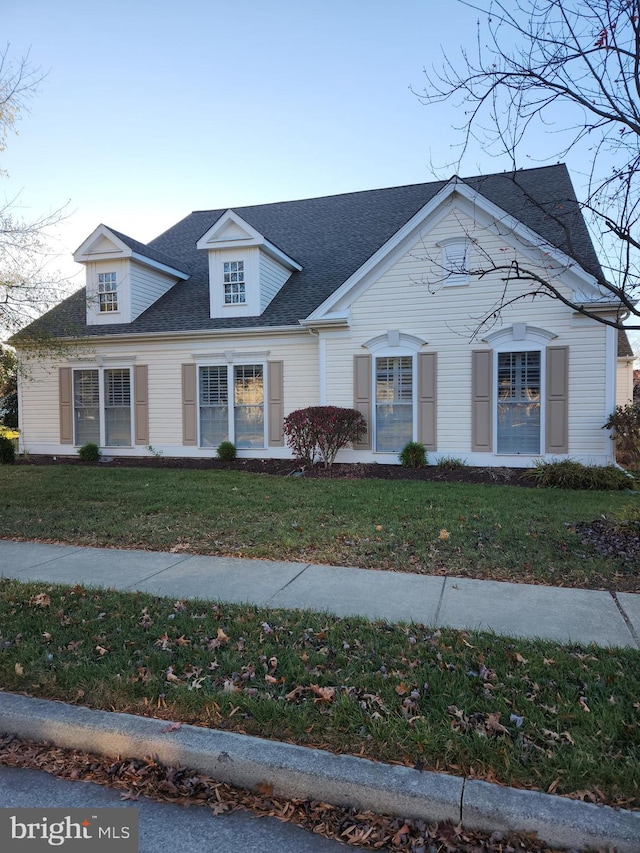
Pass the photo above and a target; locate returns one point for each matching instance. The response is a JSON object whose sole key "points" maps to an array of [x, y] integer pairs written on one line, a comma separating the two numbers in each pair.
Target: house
{"points": [[233, 318]]}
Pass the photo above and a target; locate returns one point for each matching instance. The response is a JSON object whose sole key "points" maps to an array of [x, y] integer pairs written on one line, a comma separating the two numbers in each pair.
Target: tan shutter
{"points": [[141, 403], [427, 388], [189, 405], [482, 401], [65, 385], [557, 409], [275, 413], [362, 395]]}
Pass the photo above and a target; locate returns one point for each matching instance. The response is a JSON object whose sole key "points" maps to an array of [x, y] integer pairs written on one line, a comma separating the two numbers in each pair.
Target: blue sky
{"points": [[152, 109]]}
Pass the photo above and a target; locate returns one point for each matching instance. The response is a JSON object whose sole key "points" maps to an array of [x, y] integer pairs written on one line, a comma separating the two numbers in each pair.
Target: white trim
{"points": [[97, 365], [251, 237], [519, 332], [488, 215], [231, 357], [83, 255], [322, 371], [230, 364], [149, 262], [611, 367], [394, 339]]}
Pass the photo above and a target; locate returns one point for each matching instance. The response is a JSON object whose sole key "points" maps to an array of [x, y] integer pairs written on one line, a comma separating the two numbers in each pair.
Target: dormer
{"points": [[246, 271], [123, 276]]}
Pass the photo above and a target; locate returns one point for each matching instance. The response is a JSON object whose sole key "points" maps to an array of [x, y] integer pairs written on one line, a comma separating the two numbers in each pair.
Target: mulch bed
{"points": [[285, 467]]}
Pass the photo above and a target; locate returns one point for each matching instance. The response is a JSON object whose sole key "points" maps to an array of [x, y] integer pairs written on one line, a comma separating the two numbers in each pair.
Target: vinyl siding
{"points": [[272, 276], [624, 382], [40, 404], [408, 297], [147, 286]]}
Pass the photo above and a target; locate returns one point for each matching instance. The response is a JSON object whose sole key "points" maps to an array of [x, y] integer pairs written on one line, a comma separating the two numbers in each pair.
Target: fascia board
{"points": [[83, 256], [149, 262], [208, 240], [252, 237], [377, 259], [528, 239]]}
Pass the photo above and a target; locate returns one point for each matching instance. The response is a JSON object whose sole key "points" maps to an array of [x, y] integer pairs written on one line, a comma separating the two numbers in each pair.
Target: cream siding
{"points": [[624, 382], [40, 403], [147, 286], [272, 276], [409, 297]]}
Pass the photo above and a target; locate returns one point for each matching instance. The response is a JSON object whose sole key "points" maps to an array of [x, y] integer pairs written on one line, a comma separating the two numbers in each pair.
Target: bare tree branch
{"points": [[571, 66]]}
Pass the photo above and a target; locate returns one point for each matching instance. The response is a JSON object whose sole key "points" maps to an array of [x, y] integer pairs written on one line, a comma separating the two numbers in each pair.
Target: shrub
{"points": [[625, 421], [89, 452], [7, 451], [227, 451], [413, 455], [321, 431], [568, 474], [451, 463]]}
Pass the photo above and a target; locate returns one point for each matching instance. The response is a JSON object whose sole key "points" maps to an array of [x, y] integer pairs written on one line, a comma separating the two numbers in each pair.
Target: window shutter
{"points": [[427, 387], [65, 386], [557, 408], [275, 403], [141, 403], [482, 401], [189, 405], [362, 396]]}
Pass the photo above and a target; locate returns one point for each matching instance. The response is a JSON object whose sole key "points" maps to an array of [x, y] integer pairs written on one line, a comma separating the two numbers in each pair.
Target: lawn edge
{"points": [[299, 772]]}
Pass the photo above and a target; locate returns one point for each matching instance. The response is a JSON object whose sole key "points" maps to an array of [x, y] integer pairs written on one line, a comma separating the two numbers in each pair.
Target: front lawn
{"points": [[483, 531], [560, 719]]}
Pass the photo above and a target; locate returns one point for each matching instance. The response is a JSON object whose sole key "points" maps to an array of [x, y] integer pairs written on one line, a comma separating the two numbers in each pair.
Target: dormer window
{"points": [[234, 292], [107, 291]]}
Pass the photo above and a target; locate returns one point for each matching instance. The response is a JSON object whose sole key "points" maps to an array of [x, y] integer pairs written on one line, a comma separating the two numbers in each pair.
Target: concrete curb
{"points": [[299, 772]]}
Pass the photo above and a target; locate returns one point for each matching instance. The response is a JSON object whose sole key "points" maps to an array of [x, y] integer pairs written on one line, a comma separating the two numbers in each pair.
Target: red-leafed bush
{"points": [[318, 432]]}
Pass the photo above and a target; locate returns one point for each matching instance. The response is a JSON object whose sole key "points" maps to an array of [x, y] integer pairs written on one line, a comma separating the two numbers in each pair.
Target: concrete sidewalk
{"points": [[562, 615], [516, 610]]}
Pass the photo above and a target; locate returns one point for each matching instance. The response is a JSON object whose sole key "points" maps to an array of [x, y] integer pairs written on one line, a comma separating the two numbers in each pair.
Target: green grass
{"points": [[563, 719], [499, 531]]}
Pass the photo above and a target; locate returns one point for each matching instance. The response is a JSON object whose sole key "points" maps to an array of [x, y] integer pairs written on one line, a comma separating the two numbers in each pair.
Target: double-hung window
{"points": [[394, 403], [519, 402], [231, 401], [102, 413], [107, 291], [214, 406], [233, 278]]}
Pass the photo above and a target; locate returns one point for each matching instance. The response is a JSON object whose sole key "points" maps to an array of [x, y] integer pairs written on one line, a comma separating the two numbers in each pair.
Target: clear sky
{"points": [[153, 108]]}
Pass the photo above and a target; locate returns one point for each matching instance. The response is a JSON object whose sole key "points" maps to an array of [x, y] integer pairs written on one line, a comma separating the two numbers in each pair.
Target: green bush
{"points": [[89, 452], [413, 455], [7, 451], [568, 474], [320, 431], [227, 451], [451, 463]]}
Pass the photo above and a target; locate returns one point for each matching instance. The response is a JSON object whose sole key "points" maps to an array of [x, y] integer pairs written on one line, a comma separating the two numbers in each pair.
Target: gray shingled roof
{"points": [[624, 347], [331, 237], [150, 252]]}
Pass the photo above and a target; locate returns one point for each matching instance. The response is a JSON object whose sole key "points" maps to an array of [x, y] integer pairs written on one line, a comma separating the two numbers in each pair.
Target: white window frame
{"points": [[101, 371], [520, 338], [454, 254], [231, 402], [392, 352], [234, 287], [108, 292]]}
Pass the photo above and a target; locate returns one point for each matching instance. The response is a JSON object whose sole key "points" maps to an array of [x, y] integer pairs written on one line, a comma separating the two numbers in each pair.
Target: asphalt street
{"points": [[164, 825]]}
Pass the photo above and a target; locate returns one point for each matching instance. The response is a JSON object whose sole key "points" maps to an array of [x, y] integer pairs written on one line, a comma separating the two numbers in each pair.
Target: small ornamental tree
{"points": [[320, 432], [625, 421]]}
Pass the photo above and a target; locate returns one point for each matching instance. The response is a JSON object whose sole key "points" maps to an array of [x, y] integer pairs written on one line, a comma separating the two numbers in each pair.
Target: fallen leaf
{"points": [[444, 535], [18, 669], [172, 727]]}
